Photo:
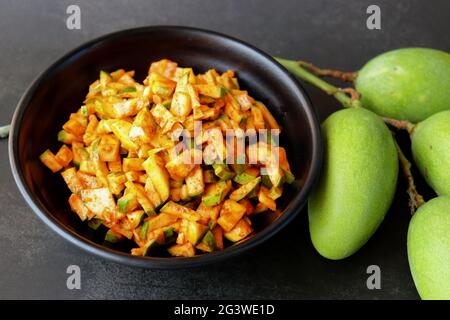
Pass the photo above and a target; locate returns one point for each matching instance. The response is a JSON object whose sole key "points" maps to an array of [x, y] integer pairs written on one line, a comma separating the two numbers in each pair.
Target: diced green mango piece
{"points": [[213, 91], [150, 246], [241, 230], [51, 161], [121, 129], [127, 202], [180, 166], [265, 199], [152, 193], [94, 223], [87, 166], [100, 109], [246, 176], [206, 100], [83, 111], [144, 230], [208, 243], [66, 137], [163, 88], [100, 201], [141, 197], [194, 182], [288, 177], [79, 153], [108, 148], [155, 151], [113, 237], [195, 231], [266, 181], [182, 250], [143, 127], [276, 176], [116, 182], [156, 171], [222, 171], [129, 89], [161, 220], [215, 193], [275, 192], [71, 179], [209, 176], [170, 235], [123, 203], [105, 78], [132, 164], [230, 214], [179, 211], [239, 168], [245, 189], [135, 218], [184, 193], [104, 126]]}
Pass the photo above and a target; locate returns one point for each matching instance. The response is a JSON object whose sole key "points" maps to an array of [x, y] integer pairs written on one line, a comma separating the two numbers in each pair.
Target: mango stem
{"points": [[401, 124], [340, 94], [337, 74], [354, 95], [415, 199]]}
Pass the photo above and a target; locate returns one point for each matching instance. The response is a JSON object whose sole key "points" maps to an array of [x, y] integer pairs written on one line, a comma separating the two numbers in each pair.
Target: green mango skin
{"points": [[429, 249], [406, 84], [357, 184], [431, 151]]}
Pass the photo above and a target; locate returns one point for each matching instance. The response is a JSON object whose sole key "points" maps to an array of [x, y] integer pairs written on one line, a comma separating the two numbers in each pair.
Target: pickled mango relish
{"points": [[164, 163]]}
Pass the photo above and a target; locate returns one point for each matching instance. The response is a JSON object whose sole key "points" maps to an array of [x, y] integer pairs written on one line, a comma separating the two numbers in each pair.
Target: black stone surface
{"points": [[332, 33]]}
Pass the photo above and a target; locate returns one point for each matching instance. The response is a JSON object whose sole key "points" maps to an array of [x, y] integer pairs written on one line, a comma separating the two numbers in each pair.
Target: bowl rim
{"points": [[99, 250]]}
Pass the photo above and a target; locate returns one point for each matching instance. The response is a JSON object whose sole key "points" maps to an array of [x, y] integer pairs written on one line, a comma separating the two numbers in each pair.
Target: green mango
{"points": [[429, 249], [357, 183], [406, 84], [431, 151]]}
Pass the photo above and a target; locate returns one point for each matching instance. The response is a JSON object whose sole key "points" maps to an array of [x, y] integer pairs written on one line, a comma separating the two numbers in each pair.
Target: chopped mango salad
{"points": [[165, 163]]}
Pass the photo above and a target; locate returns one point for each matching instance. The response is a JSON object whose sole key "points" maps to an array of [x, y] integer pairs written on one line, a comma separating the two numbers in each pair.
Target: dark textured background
{"points": [[33, 260]]}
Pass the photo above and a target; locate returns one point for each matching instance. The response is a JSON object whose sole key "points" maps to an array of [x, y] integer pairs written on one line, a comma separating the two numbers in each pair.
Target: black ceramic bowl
{"points": [[60, 90]]}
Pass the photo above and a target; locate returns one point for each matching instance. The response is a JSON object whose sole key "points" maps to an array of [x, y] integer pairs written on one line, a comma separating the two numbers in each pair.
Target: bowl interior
{"points": [[62, 88]]}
